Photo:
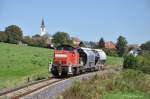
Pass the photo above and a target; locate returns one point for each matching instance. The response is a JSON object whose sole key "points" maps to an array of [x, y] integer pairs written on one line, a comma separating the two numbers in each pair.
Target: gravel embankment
{"points": [[54, 90]]}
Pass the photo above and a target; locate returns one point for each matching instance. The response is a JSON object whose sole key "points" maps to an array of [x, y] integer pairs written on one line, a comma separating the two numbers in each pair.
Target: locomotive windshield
{"points": [[65, 47]]}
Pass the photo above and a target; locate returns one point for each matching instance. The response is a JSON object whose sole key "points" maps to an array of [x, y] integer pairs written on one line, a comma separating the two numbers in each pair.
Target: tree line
{"points": [[120, 49], [14, 34]]}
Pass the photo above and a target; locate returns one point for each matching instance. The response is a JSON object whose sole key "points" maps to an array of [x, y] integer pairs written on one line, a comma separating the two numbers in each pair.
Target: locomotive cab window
{"points": [[65, 47]]}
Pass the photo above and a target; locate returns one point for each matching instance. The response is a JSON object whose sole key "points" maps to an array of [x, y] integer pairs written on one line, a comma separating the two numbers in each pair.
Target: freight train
{"points": [[69, 60]]}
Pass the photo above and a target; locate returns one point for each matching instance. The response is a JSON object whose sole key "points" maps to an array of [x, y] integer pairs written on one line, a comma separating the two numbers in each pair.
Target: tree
{"points": [[121, 46], [3, 36], [61, 38], [111, 52], [81, 44], [14, 34], [36, 36], [101, 43], [146, 46]]}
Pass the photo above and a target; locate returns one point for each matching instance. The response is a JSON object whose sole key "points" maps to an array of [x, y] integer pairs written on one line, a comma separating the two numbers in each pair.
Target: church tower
{"points": [[42, 28]]}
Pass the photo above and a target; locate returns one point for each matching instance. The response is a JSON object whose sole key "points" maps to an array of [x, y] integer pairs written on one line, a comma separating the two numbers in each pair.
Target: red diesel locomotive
{"points": [[69, 60]]}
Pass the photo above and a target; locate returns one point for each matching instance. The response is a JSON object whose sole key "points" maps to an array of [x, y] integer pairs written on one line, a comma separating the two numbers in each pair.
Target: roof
{"points": [[76, 39], [42, 24], [110, 44], [133, 46], [88, 44]]}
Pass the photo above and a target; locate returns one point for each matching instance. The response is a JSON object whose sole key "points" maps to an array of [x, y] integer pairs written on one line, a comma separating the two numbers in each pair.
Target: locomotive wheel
{"points": [[64, 74], [76, 71], [81, 69], [54, 71]]}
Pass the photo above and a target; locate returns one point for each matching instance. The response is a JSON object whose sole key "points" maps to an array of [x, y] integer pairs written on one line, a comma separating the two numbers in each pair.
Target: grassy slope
{"points": [[128, 84], [17, 63]]}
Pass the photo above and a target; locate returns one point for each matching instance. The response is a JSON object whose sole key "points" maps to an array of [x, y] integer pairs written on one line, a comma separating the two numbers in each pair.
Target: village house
{"points": [[110, 45], [131, 46]]}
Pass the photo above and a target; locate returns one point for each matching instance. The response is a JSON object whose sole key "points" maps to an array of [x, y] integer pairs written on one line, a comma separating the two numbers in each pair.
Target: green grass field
{"points": [[114, 61], [17, 63]]}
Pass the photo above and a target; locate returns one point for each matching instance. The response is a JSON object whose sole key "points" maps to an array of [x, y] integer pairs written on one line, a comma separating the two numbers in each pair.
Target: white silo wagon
{"points": [[101, 58]]}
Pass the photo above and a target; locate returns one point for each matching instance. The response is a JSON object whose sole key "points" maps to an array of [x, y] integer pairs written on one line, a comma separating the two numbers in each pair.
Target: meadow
{"points": [[114, 61], [20, 64]]}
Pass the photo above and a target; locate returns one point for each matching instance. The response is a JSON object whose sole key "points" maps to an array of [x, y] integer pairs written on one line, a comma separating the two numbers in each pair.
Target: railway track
{"points": [[19, 92], [27, 89]]}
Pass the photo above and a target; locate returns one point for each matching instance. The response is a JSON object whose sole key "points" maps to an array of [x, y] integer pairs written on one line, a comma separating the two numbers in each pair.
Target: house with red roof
{"points": [[110, 45]]}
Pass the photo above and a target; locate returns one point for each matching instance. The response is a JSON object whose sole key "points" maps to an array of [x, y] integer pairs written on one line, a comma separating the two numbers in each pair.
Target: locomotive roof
{"points": [[84, 48], [65, 45]]}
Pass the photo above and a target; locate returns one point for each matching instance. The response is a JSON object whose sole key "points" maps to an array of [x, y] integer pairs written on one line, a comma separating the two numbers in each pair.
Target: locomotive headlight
{"points": [[60, 55]]}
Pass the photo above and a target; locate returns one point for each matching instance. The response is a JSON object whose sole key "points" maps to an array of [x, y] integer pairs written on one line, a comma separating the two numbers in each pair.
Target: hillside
{"points": [[18, 63]]}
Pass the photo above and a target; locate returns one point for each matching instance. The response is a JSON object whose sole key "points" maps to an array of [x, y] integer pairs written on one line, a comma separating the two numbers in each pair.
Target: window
{"points": [[65, 47]]}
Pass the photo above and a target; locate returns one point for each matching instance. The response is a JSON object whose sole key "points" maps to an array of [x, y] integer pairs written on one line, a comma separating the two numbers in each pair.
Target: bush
{"points": [[140, 62], [144, 62], [27, 40], [130, 62], [111, 52], [146, 55], [146, 46], [36, 40], [3, 36]]}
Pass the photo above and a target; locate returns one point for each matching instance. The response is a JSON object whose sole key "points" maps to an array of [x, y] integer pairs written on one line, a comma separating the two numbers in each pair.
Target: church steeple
{"points": [[42, 24], [42, 28]]}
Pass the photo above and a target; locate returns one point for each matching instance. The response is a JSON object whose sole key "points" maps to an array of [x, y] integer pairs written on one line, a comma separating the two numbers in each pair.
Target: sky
{"points": [[87, 19]]}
